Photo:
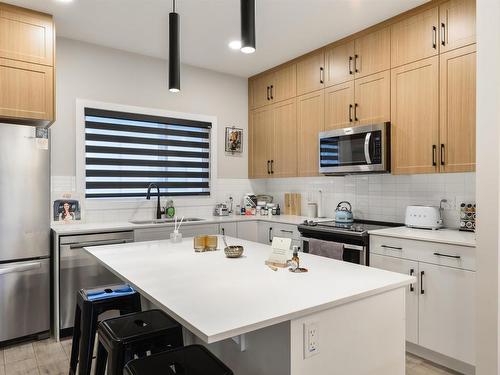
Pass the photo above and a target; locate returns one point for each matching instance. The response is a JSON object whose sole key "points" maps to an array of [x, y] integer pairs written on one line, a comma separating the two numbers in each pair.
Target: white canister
{"points": [[312, 210]]}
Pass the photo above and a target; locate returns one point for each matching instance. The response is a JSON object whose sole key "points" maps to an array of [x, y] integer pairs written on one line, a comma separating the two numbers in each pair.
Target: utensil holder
{"points": [[176, 237]]}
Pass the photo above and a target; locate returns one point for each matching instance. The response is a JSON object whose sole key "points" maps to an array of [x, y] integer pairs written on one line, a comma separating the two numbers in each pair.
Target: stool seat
{"points": [[135, 335], [188, 360], [90, 303], [145, 325]]}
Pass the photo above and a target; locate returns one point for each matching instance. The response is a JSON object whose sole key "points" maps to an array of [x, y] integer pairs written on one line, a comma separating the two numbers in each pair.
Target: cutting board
{"points": [[293, 202]]}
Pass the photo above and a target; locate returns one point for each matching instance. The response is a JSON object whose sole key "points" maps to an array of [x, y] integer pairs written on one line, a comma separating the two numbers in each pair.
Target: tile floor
{"points": [[48, 357]]}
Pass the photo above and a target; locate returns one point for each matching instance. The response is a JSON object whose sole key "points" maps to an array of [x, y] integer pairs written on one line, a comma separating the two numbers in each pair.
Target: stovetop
{"points": [[356, 228]]}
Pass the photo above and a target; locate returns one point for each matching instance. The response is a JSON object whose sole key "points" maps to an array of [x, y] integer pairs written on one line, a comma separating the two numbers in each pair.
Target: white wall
{"points": [[92, 72], [488, 162]]}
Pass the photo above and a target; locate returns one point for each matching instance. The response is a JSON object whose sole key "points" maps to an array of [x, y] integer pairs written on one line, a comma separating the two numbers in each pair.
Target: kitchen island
{"points": [[258, 321]]}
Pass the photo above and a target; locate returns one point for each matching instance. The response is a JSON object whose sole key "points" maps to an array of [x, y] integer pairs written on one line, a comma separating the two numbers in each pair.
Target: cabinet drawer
{"points": [[286, 230], [228, 229], [462, 257]]}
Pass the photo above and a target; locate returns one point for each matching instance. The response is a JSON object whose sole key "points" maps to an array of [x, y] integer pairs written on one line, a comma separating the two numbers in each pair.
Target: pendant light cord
{"points": [[173, 5]]}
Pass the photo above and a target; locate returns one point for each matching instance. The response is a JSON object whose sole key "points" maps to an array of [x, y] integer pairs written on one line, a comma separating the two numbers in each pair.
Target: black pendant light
{"points": [[247, 8], [174, 55]]}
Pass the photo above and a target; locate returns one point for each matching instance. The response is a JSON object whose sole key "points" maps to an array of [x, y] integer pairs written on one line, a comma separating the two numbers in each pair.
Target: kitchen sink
{"points": [[165, 221]]}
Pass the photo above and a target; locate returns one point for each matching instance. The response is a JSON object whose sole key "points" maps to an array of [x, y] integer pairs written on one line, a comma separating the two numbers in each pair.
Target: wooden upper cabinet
{"points": [[260, 88], [26, 35], [339, 106], [273, 87], [372, 98], [284, 160], [339, 64], [458, 110], [310, 121], [457, 23], [415, 117], [415, 38], [284, 83], [26, 91], [372, 53], [262, 130], [310, 73]]}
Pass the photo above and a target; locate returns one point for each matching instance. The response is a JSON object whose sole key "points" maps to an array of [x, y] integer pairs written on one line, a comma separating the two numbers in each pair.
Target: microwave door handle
{"points": [[367, 148]]}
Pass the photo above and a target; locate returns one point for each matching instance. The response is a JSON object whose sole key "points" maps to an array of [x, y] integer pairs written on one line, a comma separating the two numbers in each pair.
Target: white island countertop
{"points": [[217, 298], [447, 236]]}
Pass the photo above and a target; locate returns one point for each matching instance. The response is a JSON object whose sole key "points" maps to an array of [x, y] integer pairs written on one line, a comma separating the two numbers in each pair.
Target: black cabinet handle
{"points": [[355, 111], [356, 63], [434, 37], [447, 255], [270, 237], [443, 34], [412, 271], [350, 65], [286, 231], [391, 247], [272, 166], [223, 233], [268, 169], [434, 148], [272, 87], [321, 70], [422, 291], [350, 112], [268, 88], [442, 154]]}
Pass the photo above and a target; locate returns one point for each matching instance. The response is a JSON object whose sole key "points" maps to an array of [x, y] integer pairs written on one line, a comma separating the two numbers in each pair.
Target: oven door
{"points": [[354, 150], [352, 253]]}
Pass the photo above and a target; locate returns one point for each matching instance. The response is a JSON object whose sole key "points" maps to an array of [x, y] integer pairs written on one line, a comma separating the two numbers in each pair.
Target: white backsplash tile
{"points": [[382, 197], [373, 197]]}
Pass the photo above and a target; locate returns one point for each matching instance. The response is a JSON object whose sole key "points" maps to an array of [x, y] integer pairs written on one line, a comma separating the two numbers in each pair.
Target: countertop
{"points": [[448, 236], [80, 228], [217, 298]]}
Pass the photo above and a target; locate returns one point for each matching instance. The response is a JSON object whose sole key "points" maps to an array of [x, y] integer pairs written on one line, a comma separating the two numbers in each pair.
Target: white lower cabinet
{"points": [[163, 233], [265, 233], [440, 306], [228, 229], [248, 230], [408, 267], [446, 311]]}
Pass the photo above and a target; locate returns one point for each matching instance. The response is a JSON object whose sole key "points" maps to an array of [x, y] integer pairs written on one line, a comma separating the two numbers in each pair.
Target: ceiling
{"points": [[285, 28]]}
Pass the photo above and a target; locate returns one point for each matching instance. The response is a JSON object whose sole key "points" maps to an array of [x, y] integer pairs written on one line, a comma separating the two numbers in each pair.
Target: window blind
{"points": [[125, 152]]}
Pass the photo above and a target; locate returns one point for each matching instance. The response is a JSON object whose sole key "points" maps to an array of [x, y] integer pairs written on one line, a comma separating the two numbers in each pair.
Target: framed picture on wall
{"points": [[234, 140]]}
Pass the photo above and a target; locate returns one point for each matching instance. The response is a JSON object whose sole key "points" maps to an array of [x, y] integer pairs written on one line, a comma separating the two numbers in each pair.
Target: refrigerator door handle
{"points": [[21, 268]]}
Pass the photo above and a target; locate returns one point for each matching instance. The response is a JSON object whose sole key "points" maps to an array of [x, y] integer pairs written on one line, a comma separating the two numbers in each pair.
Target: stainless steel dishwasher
{"points": [[78, 269]]}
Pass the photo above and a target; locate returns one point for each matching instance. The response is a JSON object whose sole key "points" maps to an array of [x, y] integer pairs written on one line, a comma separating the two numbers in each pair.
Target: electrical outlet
{"points": [[311, 339]]}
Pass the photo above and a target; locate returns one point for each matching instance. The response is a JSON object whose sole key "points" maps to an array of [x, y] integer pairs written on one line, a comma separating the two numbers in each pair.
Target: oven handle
{"points": [[367, 148], [346, 246]]}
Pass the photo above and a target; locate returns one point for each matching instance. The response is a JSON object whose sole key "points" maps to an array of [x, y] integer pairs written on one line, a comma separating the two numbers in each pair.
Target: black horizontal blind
{"points": [[125, 152]]}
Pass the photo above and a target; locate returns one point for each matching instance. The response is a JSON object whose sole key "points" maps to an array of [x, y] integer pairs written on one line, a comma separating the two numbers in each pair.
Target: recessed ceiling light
{"points": [[65, 1], [235, 44]]}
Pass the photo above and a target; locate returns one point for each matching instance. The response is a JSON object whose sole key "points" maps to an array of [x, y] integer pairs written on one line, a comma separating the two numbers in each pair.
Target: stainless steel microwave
{"points": [[358, 149]]}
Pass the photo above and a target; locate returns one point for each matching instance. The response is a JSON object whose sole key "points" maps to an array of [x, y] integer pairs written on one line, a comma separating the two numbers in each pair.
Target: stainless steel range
{"points": [[354, 236]]}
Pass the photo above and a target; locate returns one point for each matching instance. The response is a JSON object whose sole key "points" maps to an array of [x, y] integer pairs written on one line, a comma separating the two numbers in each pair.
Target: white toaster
{"points": [[428, 217]]}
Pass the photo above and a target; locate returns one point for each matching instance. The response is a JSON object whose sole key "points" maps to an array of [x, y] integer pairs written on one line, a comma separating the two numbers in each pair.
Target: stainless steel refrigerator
{"points": [[24, 233]]}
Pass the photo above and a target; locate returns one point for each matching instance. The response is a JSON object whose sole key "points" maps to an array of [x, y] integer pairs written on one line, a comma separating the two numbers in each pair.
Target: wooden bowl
{"points": [[233, 251]]}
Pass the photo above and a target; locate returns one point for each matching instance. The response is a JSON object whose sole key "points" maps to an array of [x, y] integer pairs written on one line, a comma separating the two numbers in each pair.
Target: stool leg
{"points": [[76, 341], [89, 329], [116, 361], [102, 357]]}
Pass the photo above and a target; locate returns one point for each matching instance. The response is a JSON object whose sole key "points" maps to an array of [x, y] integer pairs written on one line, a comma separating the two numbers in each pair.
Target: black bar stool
{"points": [[135, 335], [89, 305], [188, 360]]}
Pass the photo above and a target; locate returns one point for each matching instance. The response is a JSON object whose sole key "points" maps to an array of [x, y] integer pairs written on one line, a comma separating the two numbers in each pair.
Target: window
{"points": [[125, 152]]}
